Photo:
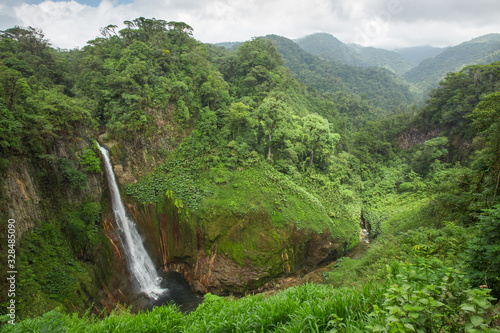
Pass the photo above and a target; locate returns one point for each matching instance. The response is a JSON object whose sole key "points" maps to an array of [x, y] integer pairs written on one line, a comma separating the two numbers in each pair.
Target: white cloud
{"points": [[68, 24], [382, 23]]}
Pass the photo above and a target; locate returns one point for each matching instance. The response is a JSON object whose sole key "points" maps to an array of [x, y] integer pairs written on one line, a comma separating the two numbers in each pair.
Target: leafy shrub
{"points": [[90, 159], [424, 299], [71, 176], [483, 252], [220, 174], [81, 228]]}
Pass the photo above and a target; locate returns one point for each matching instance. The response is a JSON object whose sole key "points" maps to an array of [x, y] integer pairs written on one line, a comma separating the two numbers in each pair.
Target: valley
{"points": [[249, 170]]}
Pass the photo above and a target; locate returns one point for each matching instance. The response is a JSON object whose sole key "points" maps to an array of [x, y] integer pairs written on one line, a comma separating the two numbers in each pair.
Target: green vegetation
{"points": [[428, 74], [234, 143], [43, 132], [405, 302], [483, 252], [57, 263], [90, 159], [356, 92], [330, 48]]}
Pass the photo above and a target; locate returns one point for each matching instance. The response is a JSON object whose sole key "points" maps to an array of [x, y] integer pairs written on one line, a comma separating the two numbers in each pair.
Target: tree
{"points": [[30, 39], [430, 153], [213, 89], [486, 117], [487, 111], [239, 117], [108, 31], [318, 136], [272, 114], [259, 52], [483, 253]]}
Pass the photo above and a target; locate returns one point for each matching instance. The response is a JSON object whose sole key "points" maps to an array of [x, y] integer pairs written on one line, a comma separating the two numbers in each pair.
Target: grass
{"points": [[306, 308]]}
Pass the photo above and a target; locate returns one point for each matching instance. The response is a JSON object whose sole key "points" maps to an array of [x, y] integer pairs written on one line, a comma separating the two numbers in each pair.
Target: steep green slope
{"points": [[357, 92], [481, 50], [377, 87], [51, 182], [390, 60], [448, 111]]}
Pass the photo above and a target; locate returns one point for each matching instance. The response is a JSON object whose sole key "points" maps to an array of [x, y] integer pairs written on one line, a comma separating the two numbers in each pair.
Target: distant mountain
{"points": [[377, 86], [382, 58], [423, 66], [481, 50], [330, 48], [416, 54], [230, 46]]}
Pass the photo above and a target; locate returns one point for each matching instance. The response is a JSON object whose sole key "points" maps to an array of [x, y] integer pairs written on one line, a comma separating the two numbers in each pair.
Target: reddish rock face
{"points": [[230, 254], [218, 274], [118, 289]]}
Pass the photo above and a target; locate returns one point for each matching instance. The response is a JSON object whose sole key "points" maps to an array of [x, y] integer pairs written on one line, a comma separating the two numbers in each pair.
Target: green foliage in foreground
{"points": [[411, 299], [54, 272], [483, 252]]}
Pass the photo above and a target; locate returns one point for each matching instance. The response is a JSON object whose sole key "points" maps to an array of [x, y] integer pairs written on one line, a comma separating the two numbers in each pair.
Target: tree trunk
{"points": [[498, 183], [270, 146], [312, 157]]}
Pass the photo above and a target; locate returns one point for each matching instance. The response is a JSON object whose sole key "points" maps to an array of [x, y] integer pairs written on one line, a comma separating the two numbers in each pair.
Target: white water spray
{"points": [[139, 262], [364, 236]]}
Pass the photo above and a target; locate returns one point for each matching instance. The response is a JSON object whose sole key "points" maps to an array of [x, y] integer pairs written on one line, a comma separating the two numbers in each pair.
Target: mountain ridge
{"points": [[330, 48], [480, 50]]}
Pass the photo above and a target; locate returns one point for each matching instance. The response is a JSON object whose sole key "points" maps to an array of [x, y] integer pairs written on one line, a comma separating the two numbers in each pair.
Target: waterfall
{"points": [[139, 262], [364, 236]]}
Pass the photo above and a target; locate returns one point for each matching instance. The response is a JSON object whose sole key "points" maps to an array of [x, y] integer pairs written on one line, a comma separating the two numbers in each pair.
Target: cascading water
{"points": [[364, 236], [139, 262]]}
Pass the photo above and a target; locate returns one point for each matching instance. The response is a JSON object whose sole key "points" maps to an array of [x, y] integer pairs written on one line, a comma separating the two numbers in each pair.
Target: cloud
{"points": [[245, 19], [7, 14], [400, 23], [477, 11], [381, 23]]}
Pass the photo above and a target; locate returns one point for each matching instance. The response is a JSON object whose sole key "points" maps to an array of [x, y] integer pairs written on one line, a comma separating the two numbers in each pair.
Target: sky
{"points": [[386, 24]]}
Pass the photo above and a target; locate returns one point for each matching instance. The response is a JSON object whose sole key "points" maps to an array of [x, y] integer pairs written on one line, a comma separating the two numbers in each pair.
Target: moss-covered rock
{"points": [[62, 255], [238, 247]]}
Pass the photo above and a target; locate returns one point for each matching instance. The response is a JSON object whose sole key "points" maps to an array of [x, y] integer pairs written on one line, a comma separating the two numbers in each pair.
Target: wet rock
{"points": [[178, 292]]}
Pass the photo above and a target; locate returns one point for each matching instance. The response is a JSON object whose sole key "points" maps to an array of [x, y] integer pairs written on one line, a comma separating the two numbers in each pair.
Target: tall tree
{"points": [[486, 117], [272, 114], [318, 135]]}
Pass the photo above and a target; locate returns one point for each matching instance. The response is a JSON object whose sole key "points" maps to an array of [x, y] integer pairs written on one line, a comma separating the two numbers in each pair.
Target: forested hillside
{"points": [[329, 48], [481, 50], [365, 93], [252, 173], [359, 93]]}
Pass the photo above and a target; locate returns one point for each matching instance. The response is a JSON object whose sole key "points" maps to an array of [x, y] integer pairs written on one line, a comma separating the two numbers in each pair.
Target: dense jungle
{"points": [[289, 190]]}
